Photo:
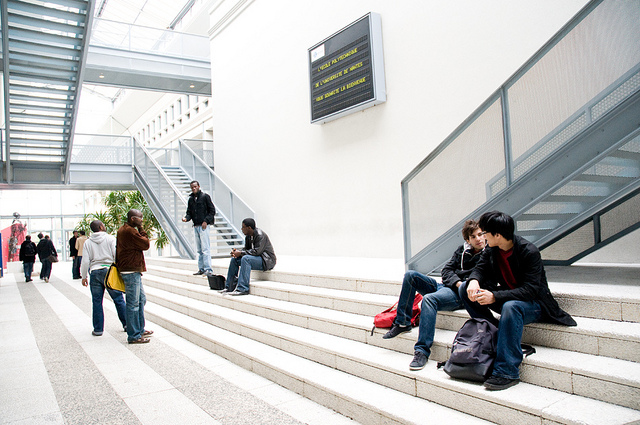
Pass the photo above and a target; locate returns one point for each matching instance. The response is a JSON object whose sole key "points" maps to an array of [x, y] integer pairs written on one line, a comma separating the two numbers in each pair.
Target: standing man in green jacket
{"points": [[132, 241]]}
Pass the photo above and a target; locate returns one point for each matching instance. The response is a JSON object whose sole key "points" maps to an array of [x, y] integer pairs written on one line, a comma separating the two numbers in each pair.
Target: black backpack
{"points": [[473, 351], [29, 250]]}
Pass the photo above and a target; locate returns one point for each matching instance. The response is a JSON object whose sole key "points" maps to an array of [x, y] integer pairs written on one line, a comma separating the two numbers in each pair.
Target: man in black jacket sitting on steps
{"points": [[509, 279]]}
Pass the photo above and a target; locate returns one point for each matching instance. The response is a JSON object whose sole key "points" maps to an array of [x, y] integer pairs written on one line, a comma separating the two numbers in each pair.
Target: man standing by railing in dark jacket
{"points": [[201, 211]]}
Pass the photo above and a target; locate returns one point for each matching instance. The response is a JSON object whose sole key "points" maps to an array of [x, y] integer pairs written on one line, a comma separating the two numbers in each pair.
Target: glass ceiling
{"points": [[96, 100]]}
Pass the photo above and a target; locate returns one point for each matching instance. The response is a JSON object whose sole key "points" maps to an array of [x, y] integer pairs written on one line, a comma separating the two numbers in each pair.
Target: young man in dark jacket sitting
{"points": [[257, 254], [509, 279], [437, 296]]}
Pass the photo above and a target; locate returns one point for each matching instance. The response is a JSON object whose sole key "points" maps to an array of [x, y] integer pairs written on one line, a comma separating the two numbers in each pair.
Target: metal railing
{"points": [[531, 117], [228, 204], [165, 199]]}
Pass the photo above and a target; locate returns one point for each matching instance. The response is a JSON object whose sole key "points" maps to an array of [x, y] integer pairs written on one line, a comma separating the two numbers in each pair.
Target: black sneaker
{"points": [[496, 383], [419, 361], [395, 331], [198, 273]]}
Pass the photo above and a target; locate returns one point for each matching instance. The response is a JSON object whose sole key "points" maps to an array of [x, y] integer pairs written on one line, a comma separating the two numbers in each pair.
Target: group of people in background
{"points": [[46, 252]]}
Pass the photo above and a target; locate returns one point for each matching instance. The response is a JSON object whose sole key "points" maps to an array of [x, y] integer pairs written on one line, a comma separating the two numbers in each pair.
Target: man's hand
{"points": [[472, 289], [204, 225], [85, 282], [184, 219], [235, 253], [484, 297]]}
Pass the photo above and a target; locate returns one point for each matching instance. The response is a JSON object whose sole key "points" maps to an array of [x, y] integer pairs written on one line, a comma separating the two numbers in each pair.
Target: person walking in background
{"points": [[201, 211], [81, 239], [45, 250], [99, 252], [28, 257], [132, 241], [73, 253], [257, 254]]}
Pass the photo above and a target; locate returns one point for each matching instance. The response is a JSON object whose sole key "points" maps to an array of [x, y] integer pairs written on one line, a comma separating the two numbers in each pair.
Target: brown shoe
{"points": [[140, 341], [147, 333]]}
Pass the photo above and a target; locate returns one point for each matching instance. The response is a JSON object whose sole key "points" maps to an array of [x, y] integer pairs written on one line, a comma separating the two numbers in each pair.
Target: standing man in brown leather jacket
{"points": [[132, 241]]}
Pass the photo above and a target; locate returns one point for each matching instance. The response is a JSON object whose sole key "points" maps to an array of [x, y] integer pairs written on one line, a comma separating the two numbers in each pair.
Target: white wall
{"points": [[334, 189]]}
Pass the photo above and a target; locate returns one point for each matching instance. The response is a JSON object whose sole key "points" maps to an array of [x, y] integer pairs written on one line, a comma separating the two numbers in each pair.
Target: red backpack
{"points": [[386, 318]]}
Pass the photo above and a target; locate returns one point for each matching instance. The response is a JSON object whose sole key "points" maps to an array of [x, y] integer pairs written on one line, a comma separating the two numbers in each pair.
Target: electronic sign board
{"points": [[347, 70]]}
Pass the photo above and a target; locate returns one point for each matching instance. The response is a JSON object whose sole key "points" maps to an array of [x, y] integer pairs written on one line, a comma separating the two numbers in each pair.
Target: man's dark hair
{"points": [[82, 232], [40, 235], [496, 222], [95, 225], [131, 213], [28, 237], [194, 181], [249, 222], [468, 228]]}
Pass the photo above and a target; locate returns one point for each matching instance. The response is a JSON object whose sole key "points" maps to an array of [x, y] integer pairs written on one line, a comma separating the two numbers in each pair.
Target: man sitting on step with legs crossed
{"points": [[437, 296], [509, 279]]}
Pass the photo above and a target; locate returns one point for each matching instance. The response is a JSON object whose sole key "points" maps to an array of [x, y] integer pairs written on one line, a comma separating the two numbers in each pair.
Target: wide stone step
{"points": [[618, 340], [581, 300], [567, 371], [389, 368], [358, 398]]}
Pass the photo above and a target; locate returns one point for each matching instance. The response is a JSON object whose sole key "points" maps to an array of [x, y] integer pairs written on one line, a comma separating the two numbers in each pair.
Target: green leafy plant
{"points": [[118, 204]]}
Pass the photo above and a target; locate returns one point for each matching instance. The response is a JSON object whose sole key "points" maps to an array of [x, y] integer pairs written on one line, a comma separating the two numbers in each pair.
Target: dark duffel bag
{"points": [[216, 282]]}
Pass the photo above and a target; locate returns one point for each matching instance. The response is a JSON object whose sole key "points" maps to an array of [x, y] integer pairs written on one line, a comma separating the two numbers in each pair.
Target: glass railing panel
{"points": [[592, 56], [101, 149], [460, 174], [125, 36]]}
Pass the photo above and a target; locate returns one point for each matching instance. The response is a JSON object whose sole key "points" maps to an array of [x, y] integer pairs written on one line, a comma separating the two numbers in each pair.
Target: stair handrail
{"points": [[172, 221], [237, 209]]}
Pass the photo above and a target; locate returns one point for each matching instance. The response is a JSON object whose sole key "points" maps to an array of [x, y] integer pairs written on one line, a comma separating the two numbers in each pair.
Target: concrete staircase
{"points": [[312, 334]]}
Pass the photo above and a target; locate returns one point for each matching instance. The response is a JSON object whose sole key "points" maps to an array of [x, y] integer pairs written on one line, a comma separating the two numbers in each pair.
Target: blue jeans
{"points": [[96, 284], [203, 244], [136, 299], [437, 297], [244, 264], [513, 316], [45, 270], [28, 269], [75, 267]]}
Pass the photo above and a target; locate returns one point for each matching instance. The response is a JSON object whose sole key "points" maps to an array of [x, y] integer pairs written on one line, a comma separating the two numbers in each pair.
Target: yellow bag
{"points": [[113, 279]]}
